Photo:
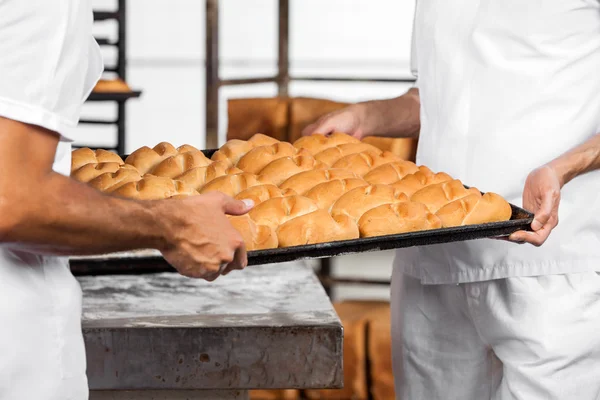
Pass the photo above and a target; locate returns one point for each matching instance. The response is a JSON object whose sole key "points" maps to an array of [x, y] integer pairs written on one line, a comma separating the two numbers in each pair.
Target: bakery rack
{"points": [[120, 69], [282, 79]]}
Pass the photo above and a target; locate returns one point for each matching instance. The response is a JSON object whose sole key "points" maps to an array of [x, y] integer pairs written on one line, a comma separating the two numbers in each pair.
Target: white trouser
{"points": [[509, 339]]}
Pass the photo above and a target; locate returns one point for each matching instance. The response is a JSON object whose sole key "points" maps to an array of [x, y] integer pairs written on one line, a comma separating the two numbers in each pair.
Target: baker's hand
{"points": [[542, 197], [201, 242], [346, 120]]}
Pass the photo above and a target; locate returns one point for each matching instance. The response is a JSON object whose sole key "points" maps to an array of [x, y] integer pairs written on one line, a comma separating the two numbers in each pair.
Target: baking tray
{"points": [[151, 261]]}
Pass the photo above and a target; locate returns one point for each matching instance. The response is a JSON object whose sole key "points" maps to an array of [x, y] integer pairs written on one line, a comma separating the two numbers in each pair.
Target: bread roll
{"points": [[197, 177], [91, 171], [256, 237], [391, 172], [326, 193], [231, 185], [232, 151], [186, 148], [109, 182], [358, 201], [475, 209], [389, 219], [258, 158], [316, 227], [176, 165], [438, 195], [304, 181], [259, 139], [153, 188], [362, 163], [145, 158], [261, 193], [281, 169], [411, 183], [279, 210], [81, 157], [331, 155], [317, 143]]}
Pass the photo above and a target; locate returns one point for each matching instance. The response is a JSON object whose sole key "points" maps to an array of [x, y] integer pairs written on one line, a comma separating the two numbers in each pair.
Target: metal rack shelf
{"points": [[282, 79], [120, 98]]}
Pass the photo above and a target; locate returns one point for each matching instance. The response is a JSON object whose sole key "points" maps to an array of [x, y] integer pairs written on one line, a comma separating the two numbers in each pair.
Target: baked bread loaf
{"points": [[390, 219], [304, 181], [259, 139], [256, 237], [279, 210], [232, 151], [261, 193], [111, 86], [91, 171], [110, 182], [317, 143], [197, 177], [83, 156], [362, 163], [438, 195], [231, 185], [153, 188], [145, 158], [423, 177], [326, 193], [283, 168], [259, 157], [174, 166], [316, 227], [358, 201], [331, 155], [475, 209], [389, 173]]}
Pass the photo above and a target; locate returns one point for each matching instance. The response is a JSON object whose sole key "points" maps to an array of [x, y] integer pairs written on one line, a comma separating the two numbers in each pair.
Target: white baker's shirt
{"points": [[49, 63], [506, 86]]}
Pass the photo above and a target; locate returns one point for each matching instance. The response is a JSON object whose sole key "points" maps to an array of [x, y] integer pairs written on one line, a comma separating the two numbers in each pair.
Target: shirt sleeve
{"points": [[49, 61], [413, 52]]}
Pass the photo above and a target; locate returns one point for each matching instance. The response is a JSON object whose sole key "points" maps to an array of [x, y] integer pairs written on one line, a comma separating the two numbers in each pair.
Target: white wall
{"points": [[328, 37]]}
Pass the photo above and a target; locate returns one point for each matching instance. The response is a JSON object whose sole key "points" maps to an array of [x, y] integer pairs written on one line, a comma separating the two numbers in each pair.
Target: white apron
{"points": [[49, 63], [507, 86]]}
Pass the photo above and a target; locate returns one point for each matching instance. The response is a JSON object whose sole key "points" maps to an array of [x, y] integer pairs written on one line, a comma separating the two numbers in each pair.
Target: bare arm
{"points": [[43, 211], [398, 117], [583, 158]]}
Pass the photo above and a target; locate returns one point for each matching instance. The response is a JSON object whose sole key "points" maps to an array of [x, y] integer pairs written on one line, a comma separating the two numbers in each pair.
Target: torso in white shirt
{"points": [[507, 86]]}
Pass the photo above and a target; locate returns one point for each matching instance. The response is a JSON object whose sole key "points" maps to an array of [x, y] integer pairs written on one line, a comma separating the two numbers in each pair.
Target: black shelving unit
{"points": [[120, 68]]}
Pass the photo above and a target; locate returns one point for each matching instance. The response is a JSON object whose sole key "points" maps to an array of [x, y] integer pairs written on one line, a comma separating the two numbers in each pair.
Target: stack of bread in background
{"points": [[318, 189]]}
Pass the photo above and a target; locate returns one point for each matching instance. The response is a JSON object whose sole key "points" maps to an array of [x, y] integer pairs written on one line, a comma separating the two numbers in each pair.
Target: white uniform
{"points": [[506, 86], [49, 63]]}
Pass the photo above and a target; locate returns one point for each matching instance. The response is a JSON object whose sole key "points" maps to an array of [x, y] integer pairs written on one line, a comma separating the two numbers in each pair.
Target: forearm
{"points": [[583, 158], [398, 117], [60, 216]]}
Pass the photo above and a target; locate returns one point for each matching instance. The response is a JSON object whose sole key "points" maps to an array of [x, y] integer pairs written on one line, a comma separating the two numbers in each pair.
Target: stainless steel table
{"points": [[167, 337]]}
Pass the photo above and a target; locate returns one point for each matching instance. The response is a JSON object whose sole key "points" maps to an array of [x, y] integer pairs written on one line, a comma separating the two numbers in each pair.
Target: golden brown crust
{"points": [[358, 201], [231, 185], [316, 227], [198, 177], [259, 157], [153, 188], [362, 163], [283, 168], [327, 193], [389, 219], [145, 158], [475, 209], [438, 195], [111, 181], [304, 181], [83, 156], [389, 173], [279, 210], [261, 193], [232, 151], [318, 143], [91, 171], [256, 237], [331, 155], [176, 165]]}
